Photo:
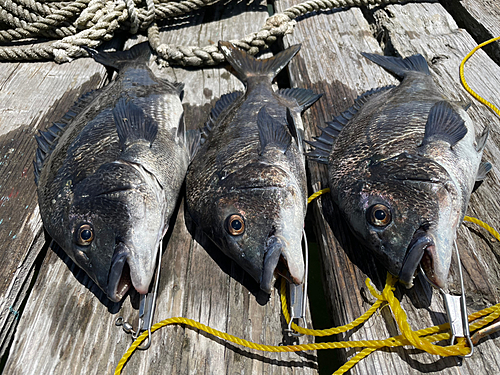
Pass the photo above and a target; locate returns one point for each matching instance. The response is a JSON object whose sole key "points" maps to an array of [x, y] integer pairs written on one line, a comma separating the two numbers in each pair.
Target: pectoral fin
{"points": [[272, 133], [444, 123], [132, 125]]}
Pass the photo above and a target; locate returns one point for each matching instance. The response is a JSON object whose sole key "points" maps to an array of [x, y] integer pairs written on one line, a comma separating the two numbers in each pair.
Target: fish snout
{"points": [[437, 259], [128, 270], [433, 253], [284, 257], [119, 281], [420, 248]]}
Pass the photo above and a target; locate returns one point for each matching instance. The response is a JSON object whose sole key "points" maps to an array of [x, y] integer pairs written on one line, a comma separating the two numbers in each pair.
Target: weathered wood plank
{"points": [[330, 62], [32, 96], [479, 18], [66, 328]]}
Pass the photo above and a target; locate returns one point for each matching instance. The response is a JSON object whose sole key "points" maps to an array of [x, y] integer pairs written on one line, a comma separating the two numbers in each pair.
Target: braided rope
{"points": [[134, 19], [421, 339], [52, 21], [424, 337], [91, 22], [25, 10], [467, 87]]}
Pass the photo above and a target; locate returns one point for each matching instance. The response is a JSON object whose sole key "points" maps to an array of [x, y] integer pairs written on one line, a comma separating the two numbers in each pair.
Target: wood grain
{"points": [[32, 96], [68, 325], [330, 62]]}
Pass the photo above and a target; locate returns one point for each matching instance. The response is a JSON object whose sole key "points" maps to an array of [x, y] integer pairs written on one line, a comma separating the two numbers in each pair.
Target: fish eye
{"points": [[379, 215], [235, 225], [85, 235]]}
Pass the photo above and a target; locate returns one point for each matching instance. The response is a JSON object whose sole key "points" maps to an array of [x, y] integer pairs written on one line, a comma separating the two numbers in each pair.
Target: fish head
{"points": [[259, 222], [405, 210], [113, 229]]}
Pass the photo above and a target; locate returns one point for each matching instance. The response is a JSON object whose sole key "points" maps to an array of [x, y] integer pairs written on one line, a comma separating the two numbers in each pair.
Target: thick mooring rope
{"points": [[91, 22]]}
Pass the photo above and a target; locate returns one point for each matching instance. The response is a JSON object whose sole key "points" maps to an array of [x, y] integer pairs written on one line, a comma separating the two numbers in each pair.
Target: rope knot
{"points": [[281, 22]]}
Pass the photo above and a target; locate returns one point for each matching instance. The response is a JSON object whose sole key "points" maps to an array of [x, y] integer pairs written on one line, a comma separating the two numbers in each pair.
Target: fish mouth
{"points": [[277, 260], [119, 279], [421, 251]]}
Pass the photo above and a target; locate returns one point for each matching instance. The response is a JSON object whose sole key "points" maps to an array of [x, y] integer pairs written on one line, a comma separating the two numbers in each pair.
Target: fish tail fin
{"points": [[248, 66], [398, 66], [139, 53]]}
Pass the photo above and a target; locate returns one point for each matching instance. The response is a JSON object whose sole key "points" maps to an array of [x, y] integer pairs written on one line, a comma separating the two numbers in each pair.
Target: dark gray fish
{"points": [[403, 164], [109, 173], [246, 186]]}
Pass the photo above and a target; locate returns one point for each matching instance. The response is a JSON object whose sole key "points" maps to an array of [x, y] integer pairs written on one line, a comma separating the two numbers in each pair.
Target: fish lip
{"points": [[420, 245], [274, 247], [119, 273], [276, 254]]}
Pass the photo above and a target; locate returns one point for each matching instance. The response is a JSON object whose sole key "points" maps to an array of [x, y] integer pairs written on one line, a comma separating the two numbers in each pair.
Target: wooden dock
{"points": [[53, 320]]}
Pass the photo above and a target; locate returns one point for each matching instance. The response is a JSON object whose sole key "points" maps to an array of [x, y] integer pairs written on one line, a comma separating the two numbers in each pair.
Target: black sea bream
{"points": [[109, 173], [403, 164], [246, 187]]}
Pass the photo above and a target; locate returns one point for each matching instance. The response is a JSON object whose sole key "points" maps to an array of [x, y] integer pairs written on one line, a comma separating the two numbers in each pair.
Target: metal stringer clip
{"points": [[456, 309], [147, 306], [298, 296]]}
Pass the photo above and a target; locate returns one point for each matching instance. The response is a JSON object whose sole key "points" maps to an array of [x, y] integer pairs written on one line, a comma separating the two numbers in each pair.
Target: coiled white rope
{"points": [[91, 22]]}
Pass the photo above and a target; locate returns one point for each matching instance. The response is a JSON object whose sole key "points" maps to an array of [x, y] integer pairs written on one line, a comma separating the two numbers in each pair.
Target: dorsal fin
{"points": [[224, 102], [398, 66], [304, 97], [323, 144], [248, 66], [444, 123], [132, 124], [47, 139], [271, 132]]}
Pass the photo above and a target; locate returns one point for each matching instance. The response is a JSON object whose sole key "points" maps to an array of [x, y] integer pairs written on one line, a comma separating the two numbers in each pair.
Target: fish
{"points": [[246, 187], [402, 164], [109, 173]]}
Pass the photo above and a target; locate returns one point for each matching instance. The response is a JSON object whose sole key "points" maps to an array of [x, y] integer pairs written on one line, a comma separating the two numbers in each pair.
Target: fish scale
{"points": [[402, 168], [246, 187], [109, 180]]}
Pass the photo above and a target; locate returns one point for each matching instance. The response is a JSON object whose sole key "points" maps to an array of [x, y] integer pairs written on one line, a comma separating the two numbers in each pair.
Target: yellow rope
{"points": [[492, 231], [422, 339], [415, 338], [462, 77], [317, 194], [324, 332]]}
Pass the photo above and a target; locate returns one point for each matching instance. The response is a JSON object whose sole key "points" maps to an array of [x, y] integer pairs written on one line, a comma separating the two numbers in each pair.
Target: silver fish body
{"points": [[109, 174], [402, 165], [246, 187]]}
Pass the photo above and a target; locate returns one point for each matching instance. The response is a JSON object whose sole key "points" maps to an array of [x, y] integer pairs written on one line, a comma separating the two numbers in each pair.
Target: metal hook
{"points": [[298, 295], [456, 308], [147, 306]]}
